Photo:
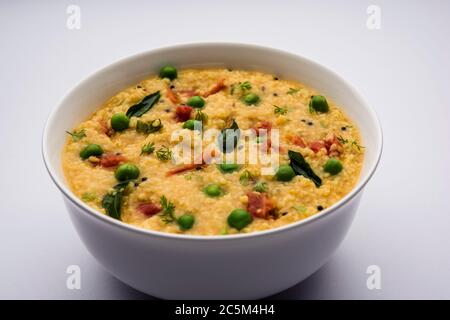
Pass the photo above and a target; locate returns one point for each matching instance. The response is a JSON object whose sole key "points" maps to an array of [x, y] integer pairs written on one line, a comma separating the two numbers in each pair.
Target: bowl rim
{"points": [[148, 232]]}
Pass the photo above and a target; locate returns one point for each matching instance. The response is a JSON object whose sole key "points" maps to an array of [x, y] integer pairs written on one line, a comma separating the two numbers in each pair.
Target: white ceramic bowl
{"points": [[244, 266]]}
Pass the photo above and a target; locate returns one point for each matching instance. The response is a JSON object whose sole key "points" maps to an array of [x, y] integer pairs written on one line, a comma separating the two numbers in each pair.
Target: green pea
{"points": [[285, 173], [333, 166], [213, 190], [192, 124], [168, 72], [318, 104], [186, 221], [91, 150], [126, 171], [120, 122], [229, 167], [196, 102], [250, 99], [239, 219]]}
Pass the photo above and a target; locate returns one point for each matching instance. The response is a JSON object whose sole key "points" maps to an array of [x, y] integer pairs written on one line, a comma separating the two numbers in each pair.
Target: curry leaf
{"points": [[229, 137], [142, 107], [112, 203], [121, 186], [302, 168]]}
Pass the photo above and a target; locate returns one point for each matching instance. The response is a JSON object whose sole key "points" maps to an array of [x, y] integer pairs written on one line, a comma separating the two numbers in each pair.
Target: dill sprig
{"points": [[245, 85], [357, 145], [148, 148], [246, 177], [168, 210], [279, 110], [260, 186], [240, 87], [342, 140], [353, 143], [164, 153]]}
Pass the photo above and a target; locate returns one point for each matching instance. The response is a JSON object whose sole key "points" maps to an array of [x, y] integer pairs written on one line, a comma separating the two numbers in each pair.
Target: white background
{"points": [[403, 70]]}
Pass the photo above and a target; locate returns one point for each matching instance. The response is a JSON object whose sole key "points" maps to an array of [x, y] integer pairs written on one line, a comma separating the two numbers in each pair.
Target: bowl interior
{"points": [[88, 95]]}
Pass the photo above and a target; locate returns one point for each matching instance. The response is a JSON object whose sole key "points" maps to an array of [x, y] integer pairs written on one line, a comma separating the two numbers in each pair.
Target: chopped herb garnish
{"points": [[241, 88], [144, 105], [149, 127], [148, 148], [353, 143], [201, 116], [224, 231], [168, 210], [302, 168], [293, 91], [260, 186], [246, 177], [164, 153], [342, 140], [245, 85], [77, 135], [232, 87], [229, 137], [88, 197], [357, 145], [279, 110], [300, 208]]}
